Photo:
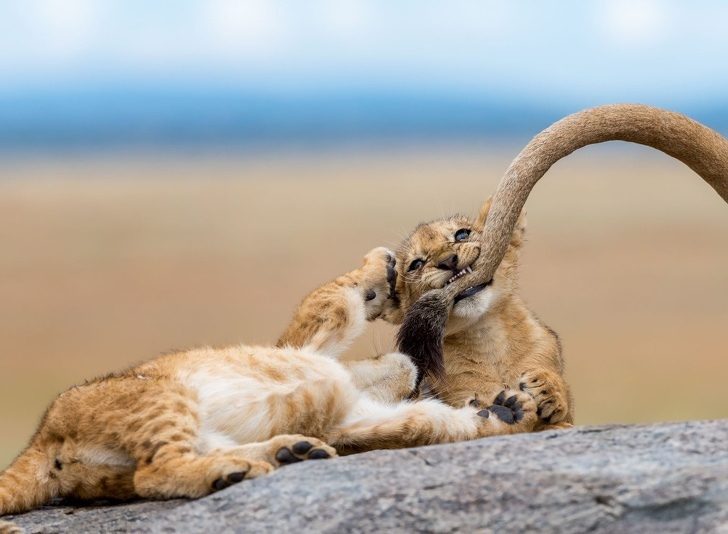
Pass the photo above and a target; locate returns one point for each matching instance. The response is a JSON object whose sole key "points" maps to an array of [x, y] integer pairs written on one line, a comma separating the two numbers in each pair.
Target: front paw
{"points": [[549, 391], [379, 277]]}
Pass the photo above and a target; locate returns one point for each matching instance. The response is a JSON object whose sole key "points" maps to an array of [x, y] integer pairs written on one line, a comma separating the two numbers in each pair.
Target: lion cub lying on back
{"points": [[489, 339], [189, 423]]}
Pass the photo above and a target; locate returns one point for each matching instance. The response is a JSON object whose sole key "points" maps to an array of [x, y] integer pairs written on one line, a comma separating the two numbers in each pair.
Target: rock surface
{"points": [[620, 478]]}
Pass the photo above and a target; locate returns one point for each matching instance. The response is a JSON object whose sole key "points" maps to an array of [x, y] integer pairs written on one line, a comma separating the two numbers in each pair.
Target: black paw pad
{"points": [[504, 414], [302, 447], [508, 410], [318, 454], [485, 414], [220, 484], [232, 478], [285, 456], [391, 274], [236, 477], [475, 403], [370, 295]]}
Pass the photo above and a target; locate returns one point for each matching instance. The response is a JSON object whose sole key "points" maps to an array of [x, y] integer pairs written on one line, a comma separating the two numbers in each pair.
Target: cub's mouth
{"points": [[472, 290]]}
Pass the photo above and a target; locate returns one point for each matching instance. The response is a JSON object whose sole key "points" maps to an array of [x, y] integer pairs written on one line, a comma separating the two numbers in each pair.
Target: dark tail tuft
{"points": [[421, 335]]}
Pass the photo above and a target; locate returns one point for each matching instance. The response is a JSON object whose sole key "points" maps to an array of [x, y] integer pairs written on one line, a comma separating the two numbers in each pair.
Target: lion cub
{"points": [[489, 338], [189, 423]]}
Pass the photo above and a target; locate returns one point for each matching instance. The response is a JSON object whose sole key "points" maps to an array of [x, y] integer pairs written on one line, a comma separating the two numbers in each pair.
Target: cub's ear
{"points": [[483, 213], [518, 232]]}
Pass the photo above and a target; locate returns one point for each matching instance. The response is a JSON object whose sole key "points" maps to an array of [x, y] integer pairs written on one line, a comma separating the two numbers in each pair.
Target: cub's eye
{"points": [[415, 265], [462, 234]]}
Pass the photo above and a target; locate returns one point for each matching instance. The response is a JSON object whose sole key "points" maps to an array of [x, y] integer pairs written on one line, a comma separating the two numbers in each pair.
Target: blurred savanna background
{"points": [[181, 173]]}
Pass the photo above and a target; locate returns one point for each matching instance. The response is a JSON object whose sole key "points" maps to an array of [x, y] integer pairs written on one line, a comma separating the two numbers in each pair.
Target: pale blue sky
{"points": [[583, 52]]}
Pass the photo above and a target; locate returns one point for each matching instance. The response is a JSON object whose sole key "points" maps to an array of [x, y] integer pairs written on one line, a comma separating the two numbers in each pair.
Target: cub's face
{"points": [[438, 253]]}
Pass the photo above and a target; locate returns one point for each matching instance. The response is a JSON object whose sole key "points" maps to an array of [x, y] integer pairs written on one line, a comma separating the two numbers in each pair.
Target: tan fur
{"points": [[506, 344], [492, 340], [700, 148], [187, 423]]}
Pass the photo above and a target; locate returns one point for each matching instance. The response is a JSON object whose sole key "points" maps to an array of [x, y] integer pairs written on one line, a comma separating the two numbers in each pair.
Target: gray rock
{"points": [[620, 478]]}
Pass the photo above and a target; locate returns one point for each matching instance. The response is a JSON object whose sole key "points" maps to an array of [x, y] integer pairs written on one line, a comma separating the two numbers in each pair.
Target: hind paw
{"points": [[508, 408], [512, 408], [233, 470], [296, 448]]}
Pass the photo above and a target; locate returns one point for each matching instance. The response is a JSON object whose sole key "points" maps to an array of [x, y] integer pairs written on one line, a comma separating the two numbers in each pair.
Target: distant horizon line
{"points": [[117, 119]]}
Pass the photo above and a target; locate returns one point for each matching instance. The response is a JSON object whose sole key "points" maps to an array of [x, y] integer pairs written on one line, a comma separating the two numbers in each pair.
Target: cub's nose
{"points": [[449, 263]]}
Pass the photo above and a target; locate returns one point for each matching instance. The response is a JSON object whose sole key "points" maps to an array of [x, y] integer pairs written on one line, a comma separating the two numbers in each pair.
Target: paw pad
{"points": [[302, 447], [318, 454], [391, 274], [285, 456], [509, 410], [303, 450], [232, 478]]}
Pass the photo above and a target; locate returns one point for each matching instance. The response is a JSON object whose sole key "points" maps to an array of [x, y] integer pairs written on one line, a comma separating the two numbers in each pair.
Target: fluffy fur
{"points": [[700, 148], [469, 348], [491, 340], [189, 423]]}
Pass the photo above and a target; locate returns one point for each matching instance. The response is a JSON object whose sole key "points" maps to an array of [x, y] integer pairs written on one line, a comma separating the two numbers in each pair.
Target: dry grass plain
{"points": [[106, 262]]}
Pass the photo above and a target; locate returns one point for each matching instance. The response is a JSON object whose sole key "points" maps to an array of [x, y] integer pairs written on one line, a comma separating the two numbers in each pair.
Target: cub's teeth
{"points": [[461, 273]]}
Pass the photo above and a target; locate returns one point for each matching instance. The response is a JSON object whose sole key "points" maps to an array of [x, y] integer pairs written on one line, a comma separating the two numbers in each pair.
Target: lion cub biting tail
{"points": [[189, 423], [489, 339]]}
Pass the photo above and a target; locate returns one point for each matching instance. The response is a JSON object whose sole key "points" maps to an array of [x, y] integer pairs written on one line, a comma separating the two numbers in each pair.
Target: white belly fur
{"points": [[238, 405]]}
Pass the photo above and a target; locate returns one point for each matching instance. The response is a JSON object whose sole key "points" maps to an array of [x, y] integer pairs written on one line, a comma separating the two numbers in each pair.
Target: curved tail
{"points": [[27, 483], [700, 148]]}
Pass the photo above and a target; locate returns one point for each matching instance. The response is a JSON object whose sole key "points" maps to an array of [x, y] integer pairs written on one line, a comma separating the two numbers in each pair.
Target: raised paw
{"points": [[551, 394], [298, 448], [379, 278]]}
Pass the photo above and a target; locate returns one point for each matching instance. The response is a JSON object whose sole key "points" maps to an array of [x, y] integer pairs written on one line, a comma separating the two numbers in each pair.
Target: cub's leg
{"points": [[281, 450], [188, 475], [165, 448], [388, 378], [331, 317], [380, 426], [552, 396]]}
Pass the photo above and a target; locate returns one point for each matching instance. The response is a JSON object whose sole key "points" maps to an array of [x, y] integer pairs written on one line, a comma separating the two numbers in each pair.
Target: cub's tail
{"points": [[26, 484]]}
